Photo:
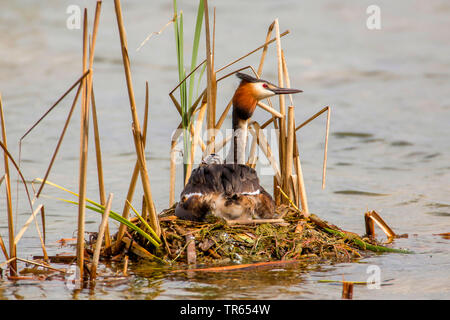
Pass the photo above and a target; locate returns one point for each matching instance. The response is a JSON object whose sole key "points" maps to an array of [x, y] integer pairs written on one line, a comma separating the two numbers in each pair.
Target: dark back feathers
{"points": [[223, 178]]}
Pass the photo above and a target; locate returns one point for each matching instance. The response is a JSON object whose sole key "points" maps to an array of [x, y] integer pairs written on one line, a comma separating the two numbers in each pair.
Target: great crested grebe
{"points": [[231, 190]]}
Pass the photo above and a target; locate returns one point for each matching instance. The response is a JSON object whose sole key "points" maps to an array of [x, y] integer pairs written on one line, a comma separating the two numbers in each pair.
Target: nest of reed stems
{"points": [[216, 243]]}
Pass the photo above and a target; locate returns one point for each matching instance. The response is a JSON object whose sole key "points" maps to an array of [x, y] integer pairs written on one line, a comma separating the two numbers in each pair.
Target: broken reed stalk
{"points": [[101, 233], [12, 246], [190, 249], [43, 221], [370, 226], [373, 216], [289, 150], [134, 176], [84, 127], [347, 290], [136, 126]]}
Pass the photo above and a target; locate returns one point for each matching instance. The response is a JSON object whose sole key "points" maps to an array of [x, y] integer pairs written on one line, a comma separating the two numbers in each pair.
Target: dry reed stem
{"points": [[286, 75], [241, 266], [370, 226], [135, 175], [211, 87], [374, 216], [294, 186], [265, 124], [55, 104], [214, 36], [84, 127], [186, 77], [8, 154], [26, 225], [251, 52], [172, 173], [41, 239], [325, 152], [282, 120], [2, 246], [98, 155], [327, 132], [98, 152], [190, 249], [255, 221], [61, 137], [269, 109], [41, 265], [265, 147], [198, 129], [136, 127], [301, 184], [125, 266], [289, 150], [291, 138], [347, 290], [266, 46], [101, 233], [224, 115], [7, 262], [12, 246], [43, 222], [144, 209], [297, 170], [252, 158], [137, 249], [219, 145], [156, 33]]}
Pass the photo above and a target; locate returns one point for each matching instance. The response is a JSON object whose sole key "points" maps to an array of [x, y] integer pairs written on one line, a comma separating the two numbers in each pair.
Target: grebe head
{"points": [[261, 89]]}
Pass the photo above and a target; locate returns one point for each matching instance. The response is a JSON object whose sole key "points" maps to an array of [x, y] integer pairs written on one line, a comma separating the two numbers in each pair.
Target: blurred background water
{"points": [[389, 148]]}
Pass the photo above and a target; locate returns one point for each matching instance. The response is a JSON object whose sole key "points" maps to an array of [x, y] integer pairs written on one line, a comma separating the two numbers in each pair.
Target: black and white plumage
{"points": [[232, 190]]}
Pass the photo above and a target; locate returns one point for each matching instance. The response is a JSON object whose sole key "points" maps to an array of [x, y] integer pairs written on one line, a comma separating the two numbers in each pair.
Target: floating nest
{"points": [[217, 242]]}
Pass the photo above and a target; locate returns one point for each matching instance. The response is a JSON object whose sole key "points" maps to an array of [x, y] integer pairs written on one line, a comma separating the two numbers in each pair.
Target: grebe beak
{"points": [[277, 90]]}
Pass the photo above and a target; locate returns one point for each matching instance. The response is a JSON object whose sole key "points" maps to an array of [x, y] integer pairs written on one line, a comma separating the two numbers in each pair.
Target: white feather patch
{"points": [[254, 193], [187, 196]]}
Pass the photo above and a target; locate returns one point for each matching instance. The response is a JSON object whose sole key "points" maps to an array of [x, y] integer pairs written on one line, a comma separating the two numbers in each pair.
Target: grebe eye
{"points": [[265, 85]]}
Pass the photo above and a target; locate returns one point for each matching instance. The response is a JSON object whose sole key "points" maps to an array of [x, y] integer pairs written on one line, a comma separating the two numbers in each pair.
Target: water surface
{"points": [[389, 145]]}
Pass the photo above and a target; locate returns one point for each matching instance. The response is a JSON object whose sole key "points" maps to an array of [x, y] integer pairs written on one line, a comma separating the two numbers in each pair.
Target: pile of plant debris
{"points": [[218, 242]]}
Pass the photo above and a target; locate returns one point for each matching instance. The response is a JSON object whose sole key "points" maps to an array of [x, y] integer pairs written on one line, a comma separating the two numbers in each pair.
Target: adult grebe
{"points": [[231, 190]]}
